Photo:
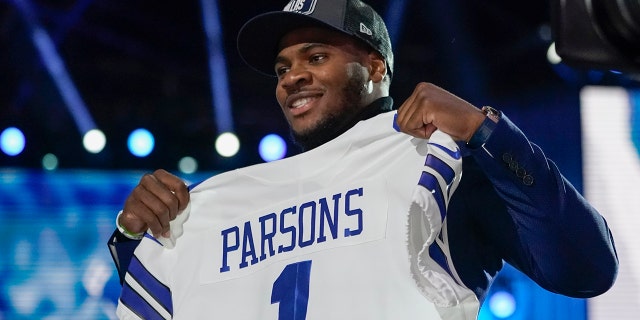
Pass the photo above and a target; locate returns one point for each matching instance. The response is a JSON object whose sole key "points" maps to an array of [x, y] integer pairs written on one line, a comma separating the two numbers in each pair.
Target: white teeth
{"points": [[300, 102]]}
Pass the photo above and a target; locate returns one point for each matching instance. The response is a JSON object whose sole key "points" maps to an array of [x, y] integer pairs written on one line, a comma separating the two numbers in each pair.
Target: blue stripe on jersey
{"points": [[160, 292], [396, 127], [436, 253], [441, 167], [456, 154], [134, 302], [430, 182], [147, 235]]}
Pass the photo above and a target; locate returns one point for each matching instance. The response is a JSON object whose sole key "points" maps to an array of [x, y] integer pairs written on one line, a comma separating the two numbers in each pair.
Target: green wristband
{"points": [[125, 232]]}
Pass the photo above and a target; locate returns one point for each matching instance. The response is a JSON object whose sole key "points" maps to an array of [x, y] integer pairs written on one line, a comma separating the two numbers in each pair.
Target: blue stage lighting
{"points": [[272, 147], [12, 141], [140, 142], [54, 63], [217, 66], [502, 304]]}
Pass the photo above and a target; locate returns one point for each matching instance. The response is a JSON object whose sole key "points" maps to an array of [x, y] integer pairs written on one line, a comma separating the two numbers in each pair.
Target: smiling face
{"points": [[324, 82]]}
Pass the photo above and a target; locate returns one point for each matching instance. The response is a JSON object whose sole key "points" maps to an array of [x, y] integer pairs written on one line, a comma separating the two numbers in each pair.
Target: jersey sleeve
{"points": [[432, 270], [146, 291]]}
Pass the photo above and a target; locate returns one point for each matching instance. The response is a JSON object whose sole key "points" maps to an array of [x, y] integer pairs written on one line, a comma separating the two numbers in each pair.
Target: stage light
{"points": [[55, 65], [188, 165], [227, 144], [12, 141], [552, 55], [140, 142], [221, 100], [50, 162], [94, 141], [272, 147], [502, 304]]}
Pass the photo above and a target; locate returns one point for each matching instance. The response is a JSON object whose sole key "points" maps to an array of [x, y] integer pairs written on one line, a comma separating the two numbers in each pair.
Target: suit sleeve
{"points": [[121, 249], [558, 239]]}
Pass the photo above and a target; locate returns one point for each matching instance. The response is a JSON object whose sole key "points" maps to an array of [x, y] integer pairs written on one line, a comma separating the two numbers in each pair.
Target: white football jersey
{"points": [[348, 230]]}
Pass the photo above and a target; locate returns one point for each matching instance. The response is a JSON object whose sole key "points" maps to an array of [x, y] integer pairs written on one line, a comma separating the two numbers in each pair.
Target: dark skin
{"points": [[314, 68], [323, 76]]}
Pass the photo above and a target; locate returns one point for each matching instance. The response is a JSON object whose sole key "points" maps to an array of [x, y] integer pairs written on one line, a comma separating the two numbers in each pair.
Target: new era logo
{"points": [[301, 6], [365, 30]]}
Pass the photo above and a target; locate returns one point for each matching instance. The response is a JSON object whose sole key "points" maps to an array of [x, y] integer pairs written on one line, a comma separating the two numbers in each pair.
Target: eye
{"points": [[317, 58], [280, 70]]}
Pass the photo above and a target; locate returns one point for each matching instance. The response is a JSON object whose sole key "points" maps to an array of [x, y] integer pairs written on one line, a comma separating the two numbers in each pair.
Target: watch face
{"points": [[491, 113]]}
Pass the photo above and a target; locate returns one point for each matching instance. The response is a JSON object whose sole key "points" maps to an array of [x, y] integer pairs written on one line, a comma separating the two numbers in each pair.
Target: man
{"points": [[334, 64]]}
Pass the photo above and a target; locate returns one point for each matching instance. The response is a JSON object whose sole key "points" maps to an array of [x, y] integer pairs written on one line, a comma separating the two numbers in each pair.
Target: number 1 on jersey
{"points": [[291, 290]]}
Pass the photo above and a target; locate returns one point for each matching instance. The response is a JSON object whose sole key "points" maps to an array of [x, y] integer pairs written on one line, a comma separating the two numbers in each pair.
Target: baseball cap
{"points": [[258, 39]]}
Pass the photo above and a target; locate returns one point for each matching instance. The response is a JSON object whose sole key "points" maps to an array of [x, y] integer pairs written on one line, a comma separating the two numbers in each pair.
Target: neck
{"points": [[375, 108]]}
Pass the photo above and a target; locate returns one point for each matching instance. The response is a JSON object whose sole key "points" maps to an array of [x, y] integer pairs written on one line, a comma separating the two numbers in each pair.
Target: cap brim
{"points": [[258, 39]]}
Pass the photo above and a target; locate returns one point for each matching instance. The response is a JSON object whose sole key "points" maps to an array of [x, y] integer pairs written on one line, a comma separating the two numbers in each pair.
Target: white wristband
{"points": [[125, 232]]}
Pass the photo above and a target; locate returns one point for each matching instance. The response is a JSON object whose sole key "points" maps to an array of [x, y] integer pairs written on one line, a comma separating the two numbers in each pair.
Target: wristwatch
{"points": [[491, 113], [486, 127]]}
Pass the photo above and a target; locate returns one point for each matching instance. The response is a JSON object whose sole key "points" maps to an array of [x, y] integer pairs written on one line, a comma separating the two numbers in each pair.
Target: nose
{"points": [[295, 78]]}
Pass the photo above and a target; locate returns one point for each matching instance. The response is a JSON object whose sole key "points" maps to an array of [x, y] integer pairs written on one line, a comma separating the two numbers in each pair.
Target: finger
{"points": [[425, 132], [416, 108], [163, 196], [132, 218], [176, 185], [147, 206], [137, 217], [417, 120], [405, 109]]}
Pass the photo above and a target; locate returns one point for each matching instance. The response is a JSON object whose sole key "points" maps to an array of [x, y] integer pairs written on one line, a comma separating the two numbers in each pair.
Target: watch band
{"points": [[480, 137]]}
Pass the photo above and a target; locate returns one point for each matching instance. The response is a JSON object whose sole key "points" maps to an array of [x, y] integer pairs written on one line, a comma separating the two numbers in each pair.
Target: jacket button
{"points": [[527, 180], [521, 172], [506, 157]]}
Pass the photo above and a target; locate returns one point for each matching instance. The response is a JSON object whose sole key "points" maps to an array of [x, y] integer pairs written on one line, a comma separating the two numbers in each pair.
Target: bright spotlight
{"points": [[502, 304], [140, 142], [272, 147], [94, 141], [552, 55], [12, 141], [227, 144]]}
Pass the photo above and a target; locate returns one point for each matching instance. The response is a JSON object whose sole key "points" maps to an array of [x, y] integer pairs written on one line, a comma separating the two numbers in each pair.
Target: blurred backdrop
{"points": [[96, 92]]}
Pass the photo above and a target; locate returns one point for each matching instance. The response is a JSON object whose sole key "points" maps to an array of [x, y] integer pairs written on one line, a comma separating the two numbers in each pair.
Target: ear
{"points": [[378, 67]]}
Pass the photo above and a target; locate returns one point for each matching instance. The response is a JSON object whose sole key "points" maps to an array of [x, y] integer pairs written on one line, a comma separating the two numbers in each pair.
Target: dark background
{"points": [[145, 64]]}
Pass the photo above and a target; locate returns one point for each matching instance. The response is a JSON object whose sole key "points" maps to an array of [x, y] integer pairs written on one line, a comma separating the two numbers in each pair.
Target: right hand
{"points": [[430, 107], [157, 199]]}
